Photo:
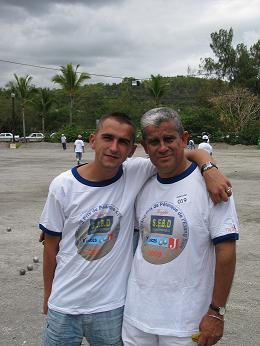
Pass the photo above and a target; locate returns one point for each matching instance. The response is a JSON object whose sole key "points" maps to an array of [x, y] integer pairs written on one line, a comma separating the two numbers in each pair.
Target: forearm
{"points": [[49, 266], [224, 272], [199, 156], [212, 323], [217, 184], [51, 248]]}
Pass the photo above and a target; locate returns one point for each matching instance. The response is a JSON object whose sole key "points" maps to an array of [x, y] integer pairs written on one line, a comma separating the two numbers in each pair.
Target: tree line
{"points": [[223, 101]]}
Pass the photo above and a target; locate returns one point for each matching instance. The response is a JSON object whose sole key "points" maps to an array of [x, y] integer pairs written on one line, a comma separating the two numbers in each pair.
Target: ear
{"points": [[92, 138], [132, 150], [144, 146], [184, 138]]}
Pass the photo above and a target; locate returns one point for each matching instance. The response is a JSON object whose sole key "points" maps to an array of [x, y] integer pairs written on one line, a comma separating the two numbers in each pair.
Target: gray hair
{"points": [[156, 116]]}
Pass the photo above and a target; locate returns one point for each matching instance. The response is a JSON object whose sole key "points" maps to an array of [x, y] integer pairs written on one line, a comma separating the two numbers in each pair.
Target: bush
{"points": [[250, 135]]}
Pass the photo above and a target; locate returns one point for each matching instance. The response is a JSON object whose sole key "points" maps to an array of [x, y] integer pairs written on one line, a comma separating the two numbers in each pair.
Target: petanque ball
{"points": [[22, 271], [30, 267], [36, 259], [9, 229]]}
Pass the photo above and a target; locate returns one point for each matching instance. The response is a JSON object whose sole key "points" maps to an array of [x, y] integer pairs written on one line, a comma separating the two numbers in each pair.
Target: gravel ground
{"points": [[24, 179]]}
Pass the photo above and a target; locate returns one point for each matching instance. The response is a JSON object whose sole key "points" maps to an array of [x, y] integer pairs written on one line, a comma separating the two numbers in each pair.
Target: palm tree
{"points": [[23, 89], [156, 87], [43, 103], [70, 80]]}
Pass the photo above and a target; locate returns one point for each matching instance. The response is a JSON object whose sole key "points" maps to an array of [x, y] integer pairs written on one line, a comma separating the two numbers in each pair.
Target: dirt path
{"points": [[24, 178]]}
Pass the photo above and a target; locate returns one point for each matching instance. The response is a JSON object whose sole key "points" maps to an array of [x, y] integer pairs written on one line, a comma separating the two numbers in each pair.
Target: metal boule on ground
{"points": [[36, 259]]}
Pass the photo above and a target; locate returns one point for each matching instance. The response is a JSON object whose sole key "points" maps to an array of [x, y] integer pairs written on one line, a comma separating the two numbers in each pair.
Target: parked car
{"points": [[8, 137], [34, 137]]}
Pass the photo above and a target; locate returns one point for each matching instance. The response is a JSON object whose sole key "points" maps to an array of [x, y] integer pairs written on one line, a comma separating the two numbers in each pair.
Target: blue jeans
{"points": [[78, 155], [100, 329]]}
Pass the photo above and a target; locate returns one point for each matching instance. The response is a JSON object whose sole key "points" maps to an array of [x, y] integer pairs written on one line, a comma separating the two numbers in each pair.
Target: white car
{"points": [[8, 137], [34, 137]]}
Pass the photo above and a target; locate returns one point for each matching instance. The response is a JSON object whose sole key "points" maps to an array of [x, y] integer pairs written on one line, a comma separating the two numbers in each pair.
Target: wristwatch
{"points": [[206, 166], [221, 310]]}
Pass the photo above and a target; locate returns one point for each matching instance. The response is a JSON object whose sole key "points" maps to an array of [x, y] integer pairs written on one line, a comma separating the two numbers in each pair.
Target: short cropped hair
{"points": [[156, 116], [121, 117]]}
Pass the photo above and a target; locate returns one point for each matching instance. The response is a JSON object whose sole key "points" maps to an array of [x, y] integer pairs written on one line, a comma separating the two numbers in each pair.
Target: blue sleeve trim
{"points": [[231, 236], [47, 231]]}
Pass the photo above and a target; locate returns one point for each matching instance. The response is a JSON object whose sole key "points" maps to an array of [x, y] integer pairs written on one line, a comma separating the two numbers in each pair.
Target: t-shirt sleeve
{"points": [[223, 223], [52, 217]]}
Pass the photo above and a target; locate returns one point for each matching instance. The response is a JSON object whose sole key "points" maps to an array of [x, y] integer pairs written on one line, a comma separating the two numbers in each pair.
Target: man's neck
{"points": [[180, 169], [93, 172]]}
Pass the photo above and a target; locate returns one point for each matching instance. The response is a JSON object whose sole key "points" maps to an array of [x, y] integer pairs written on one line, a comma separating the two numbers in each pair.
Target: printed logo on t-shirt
{"points": [[98, 232], [182, 200], [164, 231]]}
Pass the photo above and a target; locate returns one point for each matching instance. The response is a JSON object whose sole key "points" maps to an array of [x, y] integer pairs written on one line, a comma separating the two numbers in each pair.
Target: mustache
{"points": [[113, 155]]}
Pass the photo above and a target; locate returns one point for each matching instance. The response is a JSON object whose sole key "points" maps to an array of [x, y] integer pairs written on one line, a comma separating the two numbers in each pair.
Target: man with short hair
{"points": [[185, 260], [79, 148], [205, 144], [88, 223], [63, 141]]}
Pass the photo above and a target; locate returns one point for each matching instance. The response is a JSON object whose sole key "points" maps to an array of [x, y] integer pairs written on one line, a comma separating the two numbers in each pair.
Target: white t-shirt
{"points": [[95, 221], [79, 145], [171, 280], [63, 139], [206, 146]]}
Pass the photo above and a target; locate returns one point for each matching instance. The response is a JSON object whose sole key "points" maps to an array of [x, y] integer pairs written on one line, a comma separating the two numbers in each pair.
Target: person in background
{"points": [[184, 264], [63, 141], [205, 144], [191, 144], [79, 148]]}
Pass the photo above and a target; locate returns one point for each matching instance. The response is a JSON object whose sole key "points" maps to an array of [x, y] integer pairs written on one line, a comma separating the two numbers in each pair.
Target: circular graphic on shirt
{"points": [[98, 232], [165, 233]]}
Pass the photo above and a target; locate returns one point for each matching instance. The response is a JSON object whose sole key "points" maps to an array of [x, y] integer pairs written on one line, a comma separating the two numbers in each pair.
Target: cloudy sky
{"points": [[120, 38]]}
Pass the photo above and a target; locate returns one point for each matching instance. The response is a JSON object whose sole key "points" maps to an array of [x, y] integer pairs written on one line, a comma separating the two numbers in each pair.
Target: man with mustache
{"points": [[185, 260]]}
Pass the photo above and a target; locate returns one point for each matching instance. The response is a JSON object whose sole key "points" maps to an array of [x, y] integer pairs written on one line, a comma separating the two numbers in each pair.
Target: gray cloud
{"points": [[39, 7], [120, 38]]}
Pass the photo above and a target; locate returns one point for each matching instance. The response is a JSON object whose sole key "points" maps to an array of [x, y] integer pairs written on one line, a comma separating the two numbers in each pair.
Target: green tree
{"points": [[239, 65], [238, 109], [70, 80], [43, 103], [156, 87], [23, 90]]}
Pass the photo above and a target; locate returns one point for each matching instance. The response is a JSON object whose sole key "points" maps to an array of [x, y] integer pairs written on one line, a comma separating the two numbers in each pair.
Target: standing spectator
{"points": [[191, 144], [79, 148], [205, 144], [63, 141]]}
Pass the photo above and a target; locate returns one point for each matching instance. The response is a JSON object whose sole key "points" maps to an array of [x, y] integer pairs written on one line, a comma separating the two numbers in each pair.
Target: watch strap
{"points": [[219, 309], [206, 166]]}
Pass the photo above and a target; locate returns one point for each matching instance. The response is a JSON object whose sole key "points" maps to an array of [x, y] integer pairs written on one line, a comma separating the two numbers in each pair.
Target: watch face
{"points": [[222, 311]]}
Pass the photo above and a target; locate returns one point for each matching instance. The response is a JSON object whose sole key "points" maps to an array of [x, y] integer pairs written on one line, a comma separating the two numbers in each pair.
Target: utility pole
{"points": [[13, 116]]}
